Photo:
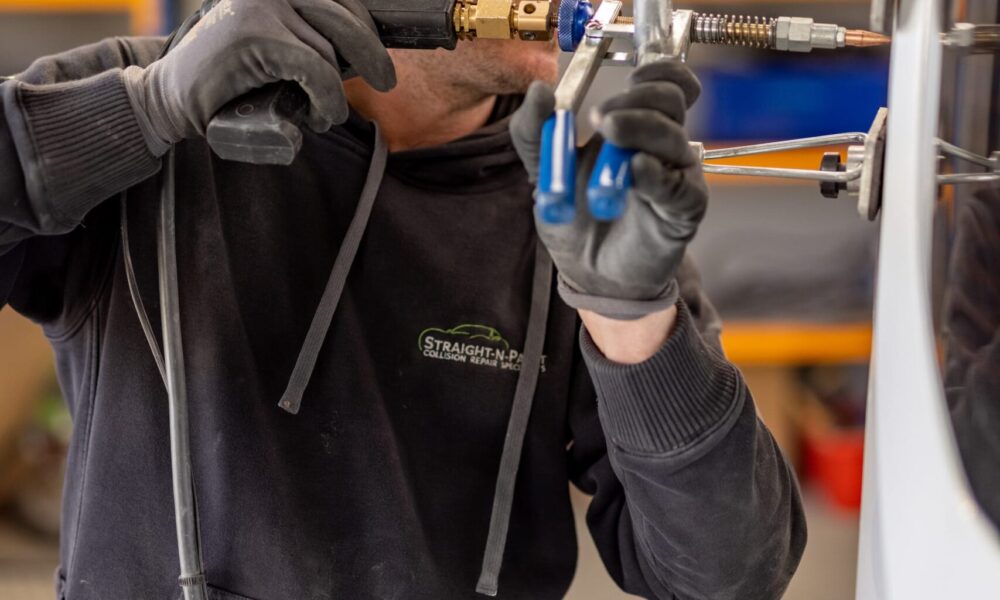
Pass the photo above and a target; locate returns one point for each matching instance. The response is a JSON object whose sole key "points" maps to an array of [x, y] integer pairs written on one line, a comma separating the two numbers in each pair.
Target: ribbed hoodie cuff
{"points": [[79, 143], [670, 401]]}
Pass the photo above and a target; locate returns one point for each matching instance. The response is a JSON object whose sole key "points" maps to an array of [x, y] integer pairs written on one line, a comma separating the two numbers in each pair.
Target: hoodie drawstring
{"points": [[291, 400], [524, 394]]}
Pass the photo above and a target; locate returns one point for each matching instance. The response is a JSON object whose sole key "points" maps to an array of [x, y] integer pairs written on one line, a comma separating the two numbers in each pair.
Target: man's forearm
{"points": [[698, 468], [630, 342], [69, 138]]}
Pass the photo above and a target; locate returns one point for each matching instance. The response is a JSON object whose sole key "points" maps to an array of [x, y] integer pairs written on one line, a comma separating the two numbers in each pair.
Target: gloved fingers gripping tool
{"points": [[657, 33]]}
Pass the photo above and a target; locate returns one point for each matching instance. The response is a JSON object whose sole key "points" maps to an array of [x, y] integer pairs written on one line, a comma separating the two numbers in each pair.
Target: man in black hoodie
{"points": [[356, 326]]}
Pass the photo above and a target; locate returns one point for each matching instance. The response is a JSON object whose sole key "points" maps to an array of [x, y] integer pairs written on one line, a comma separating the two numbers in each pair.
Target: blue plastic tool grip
{"points": [[556, 197], [610, 181]]}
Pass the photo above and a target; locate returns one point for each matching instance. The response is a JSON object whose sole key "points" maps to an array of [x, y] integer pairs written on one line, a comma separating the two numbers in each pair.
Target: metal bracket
{"points": [[873, 158], [588, 58], [861, 175], [808, 174], [992, 163]]}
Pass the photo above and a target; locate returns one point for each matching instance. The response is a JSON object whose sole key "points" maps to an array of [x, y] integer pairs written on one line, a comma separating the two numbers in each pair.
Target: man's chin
{"points": [[528, 69], [491, 66], [542, 63]]}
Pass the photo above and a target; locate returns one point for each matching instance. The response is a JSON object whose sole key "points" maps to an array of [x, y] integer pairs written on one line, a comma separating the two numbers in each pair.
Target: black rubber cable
{"points": [[133, 290], [192, 577]]}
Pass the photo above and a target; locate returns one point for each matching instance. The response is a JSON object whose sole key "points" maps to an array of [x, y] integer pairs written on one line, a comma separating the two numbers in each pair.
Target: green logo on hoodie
{"points": [[470, 343]]}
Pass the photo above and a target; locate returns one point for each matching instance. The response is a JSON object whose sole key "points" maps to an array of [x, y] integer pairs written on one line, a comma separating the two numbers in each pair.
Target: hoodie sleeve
{"points": [[692, 498], [68, 140]]}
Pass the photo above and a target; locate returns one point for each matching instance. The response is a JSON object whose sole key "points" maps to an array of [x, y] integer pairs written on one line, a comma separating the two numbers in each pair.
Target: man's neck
{"points": [[420, 111]]}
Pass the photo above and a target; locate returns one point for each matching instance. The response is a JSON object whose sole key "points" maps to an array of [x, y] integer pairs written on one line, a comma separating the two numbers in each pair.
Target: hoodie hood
{"points": [[483, 161]]}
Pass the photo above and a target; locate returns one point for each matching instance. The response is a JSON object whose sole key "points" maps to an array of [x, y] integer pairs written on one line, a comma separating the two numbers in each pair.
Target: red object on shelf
{"points": [[833, 459]]}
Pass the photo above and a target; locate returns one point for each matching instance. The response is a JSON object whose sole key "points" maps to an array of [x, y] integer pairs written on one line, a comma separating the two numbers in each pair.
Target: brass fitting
{"points": [[531, 20]]}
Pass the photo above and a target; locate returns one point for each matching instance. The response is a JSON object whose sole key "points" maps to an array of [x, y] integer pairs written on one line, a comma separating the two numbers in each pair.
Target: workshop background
{"points": [[790, 271]]}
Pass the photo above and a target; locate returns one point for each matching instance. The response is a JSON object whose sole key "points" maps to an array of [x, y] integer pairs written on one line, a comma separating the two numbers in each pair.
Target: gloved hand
{"points": [[245, 44], [624, 269]]}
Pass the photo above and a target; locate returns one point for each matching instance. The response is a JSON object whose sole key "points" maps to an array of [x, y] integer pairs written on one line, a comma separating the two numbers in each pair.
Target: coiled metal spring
{"points": [[734, 30]]}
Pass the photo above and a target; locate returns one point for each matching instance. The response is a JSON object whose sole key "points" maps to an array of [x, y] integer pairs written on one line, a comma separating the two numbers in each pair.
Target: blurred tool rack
{"points": [[791, 343], [146, 17]]}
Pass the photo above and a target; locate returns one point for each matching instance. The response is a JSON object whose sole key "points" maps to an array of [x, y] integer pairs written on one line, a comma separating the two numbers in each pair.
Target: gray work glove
{"points": [[245, 44], [624, 269]]}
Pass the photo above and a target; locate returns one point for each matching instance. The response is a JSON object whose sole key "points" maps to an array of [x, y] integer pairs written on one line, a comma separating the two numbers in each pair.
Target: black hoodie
{"points": [[382, 485]]}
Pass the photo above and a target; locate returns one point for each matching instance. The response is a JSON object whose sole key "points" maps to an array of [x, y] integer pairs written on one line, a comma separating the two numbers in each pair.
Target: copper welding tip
{"points": [[864, 39]]}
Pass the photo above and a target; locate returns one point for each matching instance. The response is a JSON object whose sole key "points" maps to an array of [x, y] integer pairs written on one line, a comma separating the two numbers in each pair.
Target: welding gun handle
{"points": [[261, 127], [610, 181], [555, 199]]}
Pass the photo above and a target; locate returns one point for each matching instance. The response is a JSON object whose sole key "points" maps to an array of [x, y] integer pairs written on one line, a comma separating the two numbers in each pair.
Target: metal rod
{"points": [[807, 174], [968, 178], [962, 153], [586, 61], [810, 142], [653, 21]]}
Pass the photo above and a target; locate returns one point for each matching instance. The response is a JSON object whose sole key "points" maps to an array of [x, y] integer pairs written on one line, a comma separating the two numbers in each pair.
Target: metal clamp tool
{"points": [[657, 33]]}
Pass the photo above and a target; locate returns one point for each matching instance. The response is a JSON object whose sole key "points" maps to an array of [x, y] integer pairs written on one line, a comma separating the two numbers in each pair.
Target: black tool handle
{"points": [[263, 126]]}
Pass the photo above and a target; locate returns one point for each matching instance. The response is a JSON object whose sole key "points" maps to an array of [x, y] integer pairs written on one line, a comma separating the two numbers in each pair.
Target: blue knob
{"points": [[610, 181], [555, 200], [573, 17]]}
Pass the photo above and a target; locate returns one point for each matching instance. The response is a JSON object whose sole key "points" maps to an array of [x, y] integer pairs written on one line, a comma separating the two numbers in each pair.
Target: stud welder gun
{"points": [[263, 126]]}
